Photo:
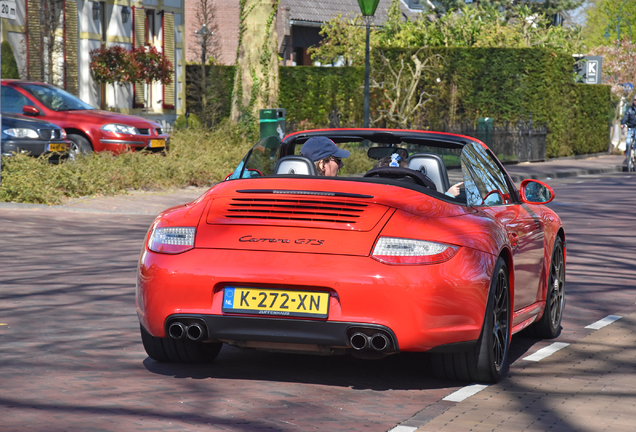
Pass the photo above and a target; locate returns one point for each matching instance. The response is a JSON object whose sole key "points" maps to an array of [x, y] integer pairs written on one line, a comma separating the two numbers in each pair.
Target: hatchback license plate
{"points": [[157, 143], [276, 302], [55, 147]]}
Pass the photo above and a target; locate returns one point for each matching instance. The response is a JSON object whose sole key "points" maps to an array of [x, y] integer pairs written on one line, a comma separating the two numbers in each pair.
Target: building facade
{"points": [[298, 24], [52, 41]]}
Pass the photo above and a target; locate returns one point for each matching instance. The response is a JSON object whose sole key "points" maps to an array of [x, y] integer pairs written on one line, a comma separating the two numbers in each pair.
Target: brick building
{"points": [[297, 23]]}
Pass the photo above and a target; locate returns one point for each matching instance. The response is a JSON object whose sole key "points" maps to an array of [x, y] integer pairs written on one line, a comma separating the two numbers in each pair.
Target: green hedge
{"points": [[501, 83], [506, 84]]}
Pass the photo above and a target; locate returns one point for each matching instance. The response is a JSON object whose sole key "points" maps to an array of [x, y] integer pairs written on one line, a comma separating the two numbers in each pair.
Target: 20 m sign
{"points": [[273, 302], [7, 9]]}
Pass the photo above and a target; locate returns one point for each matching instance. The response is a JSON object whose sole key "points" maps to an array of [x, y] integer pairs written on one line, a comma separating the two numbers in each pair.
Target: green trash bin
{"points": [[484, 130], [272, 122]]}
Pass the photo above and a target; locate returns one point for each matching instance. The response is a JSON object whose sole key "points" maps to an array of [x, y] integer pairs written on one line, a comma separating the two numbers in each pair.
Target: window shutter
{"points": [[168, 49], [71, 37], [34, 42], [139, 35]]}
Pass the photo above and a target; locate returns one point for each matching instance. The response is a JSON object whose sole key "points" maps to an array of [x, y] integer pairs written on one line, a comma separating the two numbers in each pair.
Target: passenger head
{"points": [[391, 161], [325, 154]]}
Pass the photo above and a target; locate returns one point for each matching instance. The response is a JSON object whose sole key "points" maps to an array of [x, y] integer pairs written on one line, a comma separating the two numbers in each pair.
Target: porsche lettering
{"points": [[310, 242]]}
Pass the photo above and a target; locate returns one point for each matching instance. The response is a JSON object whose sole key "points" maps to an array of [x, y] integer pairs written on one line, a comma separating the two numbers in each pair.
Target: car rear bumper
{"points": [[424, 306]]}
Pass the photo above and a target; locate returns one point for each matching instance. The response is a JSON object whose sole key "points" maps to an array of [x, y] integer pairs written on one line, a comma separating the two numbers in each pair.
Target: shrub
{"points": [[195, 158]]}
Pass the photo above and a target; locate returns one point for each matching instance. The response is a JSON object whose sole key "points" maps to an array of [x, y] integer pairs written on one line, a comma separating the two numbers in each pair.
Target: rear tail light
{"points": [[171, 240], [392, 250]]}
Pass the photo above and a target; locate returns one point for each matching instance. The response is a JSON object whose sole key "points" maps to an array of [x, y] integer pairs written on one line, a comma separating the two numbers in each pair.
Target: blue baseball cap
{"points": [[319, 147]]}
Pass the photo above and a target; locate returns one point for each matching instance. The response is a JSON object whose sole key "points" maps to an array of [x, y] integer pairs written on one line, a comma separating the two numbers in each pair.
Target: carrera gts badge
{"points": [[250, 239]]}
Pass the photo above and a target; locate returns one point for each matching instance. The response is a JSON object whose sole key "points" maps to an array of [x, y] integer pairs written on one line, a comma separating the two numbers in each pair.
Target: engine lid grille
{"points": [[297, 208]]}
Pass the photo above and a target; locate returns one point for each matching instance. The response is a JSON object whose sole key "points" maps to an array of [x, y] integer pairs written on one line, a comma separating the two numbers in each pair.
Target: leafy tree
{"points": [[547, 7], [618, 69], [602, 19], [344, 41], [112, 65], [117, 65], [151, 66], [9, 65], [470, 26]]}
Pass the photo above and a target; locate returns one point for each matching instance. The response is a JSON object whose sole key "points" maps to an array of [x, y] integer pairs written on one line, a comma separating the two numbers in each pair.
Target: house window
{"points": [[151, 32], [103, 19], [414, 4]]}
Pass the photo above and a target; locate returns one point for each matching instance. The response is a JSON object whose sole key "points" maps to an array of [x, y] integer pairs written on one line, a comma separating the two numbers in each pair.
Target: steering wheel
{"points": [[402, 173]]}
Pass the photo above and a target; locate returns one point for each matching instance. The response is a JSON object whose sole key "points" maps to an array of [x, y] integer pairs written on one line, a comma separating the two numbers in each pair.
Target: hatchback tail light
{"points": [[393, 250], [171, 240]]}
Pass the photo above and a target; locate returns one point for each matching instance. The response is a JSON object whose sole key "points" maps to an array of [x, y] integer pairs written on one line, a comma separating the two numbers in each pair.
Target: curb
{"points": [[565, 174]]}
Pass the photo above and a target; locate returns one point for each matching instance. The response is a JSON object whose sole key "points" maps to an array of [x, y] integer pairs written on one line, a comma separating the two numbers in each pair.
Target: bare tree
{"points": [[403, 94], [52, 44], [207, 48]]}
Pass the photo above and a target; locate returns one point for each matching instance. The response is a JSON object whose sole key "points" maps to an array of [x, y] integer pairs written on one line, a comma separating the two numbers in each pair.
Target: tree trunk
{"points": [[256, 80]]}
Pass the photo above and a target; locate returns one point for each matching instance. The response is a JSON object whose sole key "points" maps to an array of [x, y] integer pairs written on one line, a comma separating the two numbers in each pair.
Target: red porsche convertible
{"points": [[372, 262]]}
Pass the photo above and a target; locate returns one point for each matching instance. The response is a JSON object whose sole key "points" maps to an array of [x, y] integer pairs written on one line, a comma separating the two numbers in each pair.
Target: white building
{"points": [[81, 26]]}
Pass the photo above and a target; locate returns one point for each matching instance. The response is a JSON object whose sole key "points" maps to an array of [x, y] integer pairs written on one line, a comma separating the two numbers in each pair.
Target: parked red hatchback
{"points": [[89, 129]]}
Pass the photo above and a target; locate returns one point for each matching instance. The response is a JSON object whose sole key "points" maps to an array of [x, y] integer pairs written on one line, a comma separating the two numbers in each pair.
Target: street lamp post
{"points": [[619, 18], [367, 7]]}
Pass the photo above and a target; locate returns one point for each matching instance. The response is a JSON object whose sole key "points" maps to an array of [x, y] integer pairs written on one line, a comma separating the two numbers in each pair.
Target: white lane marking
{"points": [[604, 322], [546, 351], [403, 429], [465, 393]]}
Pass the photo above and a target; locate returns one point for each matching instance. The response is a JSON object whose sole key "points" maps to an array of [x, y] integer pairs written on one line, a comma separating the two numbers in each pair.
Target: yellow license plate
{"points": [[276, 302], [57, 147], [157, 143]]}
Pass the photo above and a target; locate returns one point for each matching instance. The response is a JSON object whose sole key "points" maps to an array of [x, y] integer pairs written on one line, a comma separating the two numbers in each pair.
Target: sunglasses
{"points": [[336, 160]]}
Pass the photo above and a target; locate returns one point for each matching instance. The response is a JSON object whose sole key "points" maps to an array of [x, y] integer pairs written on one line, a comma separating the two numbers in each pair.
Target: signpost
{"points": [[588, 69], [7, 10]]}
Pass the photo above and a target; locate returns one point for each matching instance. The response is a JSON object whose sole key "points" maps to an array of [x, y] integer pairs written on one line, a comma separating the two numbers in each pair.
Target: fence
{"points": [[522, 141]]}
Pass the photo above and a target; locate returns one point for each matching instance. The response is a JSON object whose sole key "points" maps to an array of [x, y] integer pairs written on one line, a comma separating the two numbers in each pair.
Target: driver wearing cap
{"points": [[325, 154]]}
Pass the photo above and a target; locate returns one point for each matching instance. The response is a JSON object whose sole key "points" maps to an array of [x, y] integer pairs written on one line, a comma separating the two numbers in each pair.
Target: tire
{"points": [[487, 361], [79, 146], [168, 350], [631, 162], [549, 326]]}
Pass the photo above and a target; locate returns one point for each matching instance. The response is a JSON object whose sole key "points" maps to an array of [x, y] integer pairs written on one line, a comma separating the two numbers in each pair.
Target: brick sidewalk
{"points": [[586, 386]]}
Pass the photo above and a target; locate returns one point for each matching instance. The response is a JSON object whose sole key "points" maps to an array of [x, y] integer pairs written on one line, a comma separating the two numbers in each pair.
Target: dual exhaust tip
{"points": [[179, 330], [378, 342]]}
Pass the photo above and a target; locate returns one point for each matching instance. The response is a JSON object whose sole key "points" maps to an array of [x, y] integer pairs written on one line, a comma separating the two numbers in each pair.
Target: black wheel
{"points": [[170, 350], [549, 326], [631, 159], [79, 145], [487, 361]]}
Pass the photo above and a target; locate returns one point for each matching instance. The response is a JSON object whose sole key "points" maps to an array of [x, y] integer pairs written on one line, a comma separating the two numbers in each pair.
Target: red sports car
{"points": [[421, 243]]}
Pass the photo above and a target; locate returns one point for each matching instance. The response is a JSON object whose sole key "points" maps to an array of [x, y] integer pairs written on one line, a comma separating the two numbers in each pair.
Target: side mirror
{"points": [[30, 110], [535, 192]]}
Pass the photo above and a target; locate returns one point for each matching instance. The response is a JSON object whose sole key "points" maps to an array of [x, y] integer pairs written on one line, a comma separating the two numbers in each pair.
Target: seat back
{"points": [[433, 167], [295, 164]]}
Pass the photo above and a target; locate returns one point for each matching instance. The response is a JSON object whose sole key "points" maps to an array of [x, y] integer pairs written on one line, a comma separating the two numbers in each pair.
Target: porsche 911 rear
{"points": [[366, 264], [311, 269]]}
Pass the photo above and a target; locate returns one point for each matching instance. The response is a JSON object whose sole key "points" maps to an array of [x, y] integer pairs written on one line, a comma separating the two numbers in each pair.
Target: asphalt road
{"points": [[71, 357]]}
